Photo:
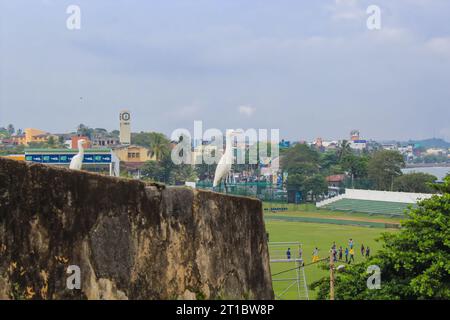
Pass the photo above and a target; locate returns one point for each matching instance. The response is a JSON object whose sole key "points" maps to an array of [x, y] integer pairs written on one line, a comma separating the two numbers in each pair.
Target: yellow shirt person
{"points": [[315, 255]]}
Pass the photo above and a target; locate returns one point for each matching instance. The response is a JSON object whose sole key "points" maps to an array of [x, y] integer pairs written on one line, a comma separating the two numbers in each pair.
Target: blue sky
{"points": [[308, 68]]}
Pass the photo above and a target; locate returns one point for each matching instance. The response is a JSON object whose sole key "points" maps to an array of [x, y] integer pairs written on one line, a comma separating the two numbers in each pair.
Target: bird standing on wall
{"points": [[224, 166], [77, 161]]}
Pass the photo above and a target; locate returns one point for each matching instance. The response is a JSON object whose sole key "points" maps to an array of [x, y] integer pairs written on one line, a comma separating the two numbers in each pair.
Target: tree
{"points": [[205, 171], [329, 162], [165, 171], [154, 171], [415, 182], [85, 131], [115, 133], [51, 142], [343, 149], [356, 166], [384, 167], [414, 263], [182, 173], [156, 142], [315, 185], [300, 159], [302, 164], [11, 129]]}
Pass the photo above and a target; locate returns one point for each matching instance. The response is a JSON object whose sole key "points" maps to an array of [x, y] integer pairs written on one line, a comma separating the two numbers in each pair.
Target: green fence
{"points": [[264, 191]]}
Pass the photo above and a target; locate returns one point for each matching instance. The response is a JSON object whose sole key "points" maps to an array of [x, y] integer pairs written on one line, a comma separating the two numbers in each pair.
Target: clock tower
{"points": [[125, 127]]}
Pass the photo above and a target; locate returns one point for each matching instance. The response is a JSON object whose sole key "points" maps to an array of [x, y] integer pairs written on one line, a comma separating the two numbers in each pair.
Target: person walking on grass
{"points": [[315, 255], [340, 253], [288, 253], [367, 252], [363, 250], [346, 255], [352, 256]]}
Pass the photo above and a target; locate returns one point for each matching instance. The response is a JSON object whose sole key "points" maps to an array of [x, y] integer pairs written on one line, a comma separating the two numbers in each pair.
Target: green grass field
{"points": [[321, 235], [310, 210]]}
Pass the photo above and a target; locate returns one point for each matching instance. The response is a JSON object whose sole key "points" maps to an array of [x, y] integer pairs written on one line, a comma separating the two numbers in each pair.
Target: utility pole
{"points": [[331, 275]]}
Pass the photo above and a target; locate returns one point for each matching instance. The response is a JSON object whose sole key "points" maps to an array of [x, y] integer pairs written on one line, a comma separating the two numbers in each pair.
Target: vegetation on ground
{"points": [[414, 263]]}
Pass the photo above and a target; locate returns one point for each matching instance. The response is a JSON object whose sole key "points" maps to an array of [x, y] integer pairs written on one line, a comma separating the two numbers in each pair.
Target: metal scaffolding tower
{"points": [[289, 280]]}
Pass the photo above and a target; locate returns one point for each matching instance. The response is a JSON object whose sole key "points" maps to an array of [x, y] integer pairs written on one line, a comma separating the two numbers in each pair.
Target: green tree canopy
{"points": [[383, 167], [414, 263], [356, 166], [165, 171], [155, 141], [415, 182], [343, 149], [300, 159], [303, 165]]}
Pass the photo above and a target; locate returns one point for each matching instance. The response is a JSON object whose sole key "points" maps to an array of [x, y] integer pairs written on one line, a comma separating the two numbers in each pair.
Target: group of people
{"points": [[337, 253]]}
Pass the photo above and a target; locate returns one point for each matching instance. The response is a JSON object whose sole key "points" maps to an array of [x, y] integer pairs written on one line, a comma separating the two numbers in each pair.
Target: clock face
{"points": [[125, 116]]}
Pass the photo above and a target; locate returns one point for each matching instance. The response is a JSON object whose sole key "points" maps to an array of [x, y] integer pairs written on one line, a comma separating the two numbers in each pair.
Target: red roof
{"points": [[336, 178]]}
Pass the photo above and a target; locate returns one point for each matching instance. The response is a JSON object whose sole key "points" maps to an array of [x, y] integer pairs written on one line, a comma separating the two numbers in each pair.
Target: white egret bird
{"points": [[77, 161], [224, 166]]}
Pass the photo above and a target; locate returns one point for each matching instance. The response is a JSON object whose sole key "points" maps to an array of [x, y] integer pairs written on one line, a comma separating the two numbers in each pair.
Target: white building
{"points": [[358, 144], [436, 151]]}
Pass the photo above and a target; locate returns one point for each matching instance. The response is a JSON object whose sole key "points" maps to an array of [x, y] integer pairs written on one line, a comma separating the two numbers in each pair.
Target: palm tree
{"points": [[159, 145], [343, 149]]}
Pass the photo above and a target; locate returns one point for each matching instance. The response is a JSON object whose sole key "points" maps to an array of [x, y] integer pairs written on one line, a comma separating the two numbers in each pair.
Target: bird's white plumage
{"points": [[77, 161], [225, 162]]}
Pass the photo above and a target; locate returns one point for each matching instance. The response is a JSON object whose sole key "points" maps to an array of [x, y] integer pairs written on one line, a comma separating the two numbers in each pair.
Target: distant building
{"points": [[436, 152], [271, 169], [330, 145], [17, 157], [133, 158], [133, 154], [318, 144], [125, 127], [354, 135], [31, 135], [358, 144], [336, 180], [389, 146], [407, 152], [103, 141]]}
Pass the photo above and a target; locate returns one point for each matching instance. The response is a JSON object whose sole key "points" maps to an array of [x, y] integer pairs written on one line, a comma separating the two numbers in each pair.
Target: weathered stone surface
{"points": [[130, 240]]}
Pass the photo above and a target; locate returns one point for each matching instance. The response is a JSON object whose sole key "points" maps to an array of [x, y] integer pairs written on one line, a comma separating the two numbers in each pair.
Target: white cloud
{"points": [[439, 45], [347, 10], [247, 110]]}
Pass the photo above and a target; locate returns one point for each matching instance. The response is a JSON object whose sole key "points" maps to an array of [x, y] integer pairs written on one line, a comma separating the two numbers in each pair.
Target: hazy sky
{"points": [[308, 68]]}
